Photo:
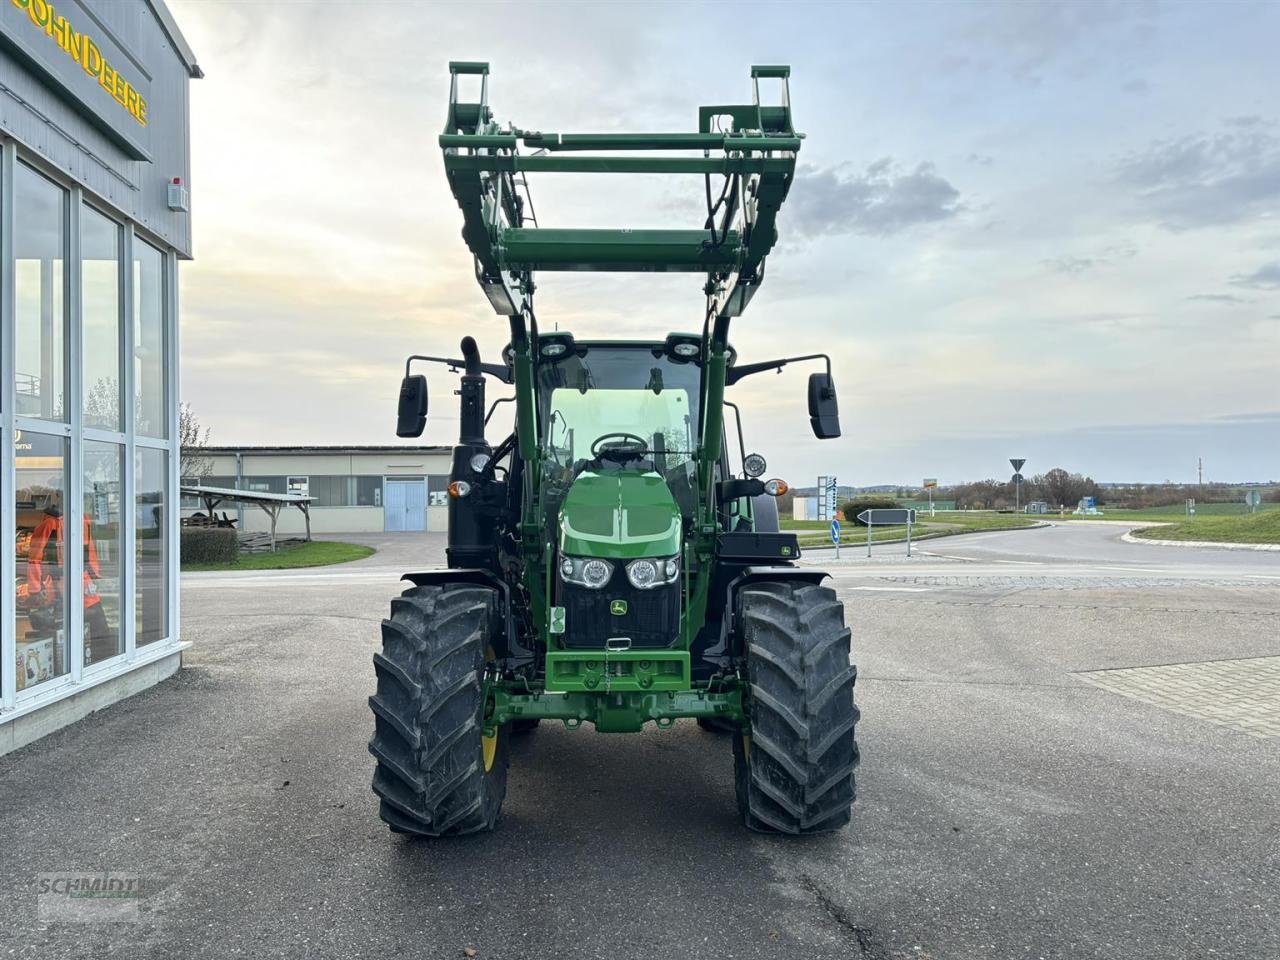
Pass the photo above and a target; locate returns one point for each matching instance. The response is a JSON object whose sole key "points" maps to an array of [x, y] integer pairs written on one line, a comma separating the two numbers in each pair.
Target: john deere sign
{"points": [[85, 51]]}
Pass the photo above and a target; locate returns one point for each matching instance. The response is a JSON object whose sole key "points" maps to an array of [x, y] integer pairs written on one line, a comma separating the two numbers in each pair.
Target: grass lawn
{"points": [[1173, 512], [1261, 527], [817, 533], [317, 553]]}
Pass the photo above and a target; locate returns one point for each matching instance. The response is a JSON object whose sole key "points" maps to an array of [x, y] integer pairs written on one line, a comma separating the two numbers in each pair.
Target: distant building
{"points": [[804, 508], [357, 489]]}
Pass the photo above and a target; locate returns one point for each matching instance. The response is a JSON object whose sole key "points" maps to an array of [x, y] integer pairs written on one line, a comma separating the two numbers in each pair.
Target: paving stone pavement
{"points": [[1041, 582], [1241, 694]]}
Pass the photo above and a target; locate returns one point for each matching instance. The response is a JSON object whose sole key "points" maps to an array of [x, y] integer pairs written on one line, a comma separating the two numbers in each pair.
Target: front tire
{"points": [[794, 766], [437, 774]]}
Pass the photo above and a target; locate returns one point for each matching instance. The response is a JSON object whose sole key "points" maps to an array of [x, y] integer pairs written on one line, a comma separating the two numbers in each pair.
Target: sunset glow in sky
{"points": [[1038, 230]]}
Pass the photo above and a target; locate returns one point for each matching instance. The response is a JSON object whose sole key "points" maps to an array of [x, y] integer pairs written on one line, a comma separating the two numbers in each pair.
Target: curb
{"points": [[1130, 538], [846, 544]]}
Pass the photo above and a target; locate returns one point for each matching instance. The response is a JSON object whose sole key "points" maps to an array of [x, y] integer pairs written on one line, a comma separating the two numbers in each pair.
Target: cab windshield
{"points": [[636, 393]]}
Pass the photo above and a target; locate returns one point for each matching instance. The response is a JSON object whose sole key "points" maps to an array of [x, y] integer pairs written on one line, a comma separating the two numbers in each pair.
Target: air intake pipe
{"points": [[471, 417], [474, 496]]}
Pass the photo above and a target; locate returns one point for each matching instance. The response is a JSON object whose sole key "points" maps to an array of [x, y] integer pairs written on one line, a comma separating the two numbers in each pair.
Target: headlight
{"points": [[754, 465], [481, 460], [592, 574], [650, 573]]}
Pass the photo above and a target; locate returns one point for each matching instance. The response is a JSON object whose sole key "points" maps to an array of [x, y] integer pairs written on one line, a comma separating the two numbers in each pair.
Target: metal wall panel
{"points": [[50, 104]]}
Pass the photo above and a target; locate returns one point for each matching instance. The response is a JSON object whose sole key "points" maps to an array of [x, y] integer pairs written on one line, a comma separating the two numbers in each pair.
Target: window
{"points": [[151, 548], [41, 595], [438, 490], [103, 541], [331, 491], [265, 484], [149, 341], [39, 244], [368, 491], [193, 502], [100, 292]]}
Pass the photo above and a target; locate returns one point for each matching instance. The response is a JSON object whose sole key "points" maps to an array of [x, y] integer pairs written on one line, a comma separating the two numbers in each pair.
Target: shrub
{"points": [[852, 508], [209, 545]]}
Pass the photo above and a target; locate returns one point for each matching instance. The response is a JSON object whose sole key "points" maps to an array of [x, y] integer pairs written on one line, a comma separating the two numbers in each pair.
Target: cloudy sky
{"points": [[1028, 229]]}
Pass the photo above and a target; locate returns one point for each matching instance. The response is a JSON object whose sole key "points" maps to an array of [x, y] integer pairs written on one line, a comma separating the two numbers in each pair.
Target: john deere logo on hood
{"points": [[618, 608]]}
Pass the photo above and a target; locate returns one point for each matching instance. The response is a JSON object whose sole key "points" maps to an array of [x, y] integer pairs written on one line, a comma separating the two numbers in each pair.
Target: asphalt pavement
{"points": [[1044, 775]]}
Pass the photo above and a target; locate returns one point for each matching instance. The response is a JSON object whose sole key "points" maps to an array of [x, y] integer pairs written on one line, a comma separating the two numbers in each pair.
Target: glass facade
{"points": [[104, 550], [39, 283], [151, 553], [100, 305], [149, 341], [87, 356], [42, 600]]}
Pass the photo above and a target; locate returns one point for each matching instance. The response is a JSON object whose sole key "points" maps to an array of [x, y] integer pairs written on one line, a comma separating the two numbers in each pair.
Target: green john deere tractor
{"points": [[605, 565]]}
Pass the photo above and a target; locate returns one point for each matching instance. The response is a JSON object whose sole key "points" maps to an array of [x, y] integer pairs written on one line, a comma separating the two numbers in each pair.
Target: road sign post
{"points": [[835, 536], [887, 518], [1016, 463], [931, 484]]}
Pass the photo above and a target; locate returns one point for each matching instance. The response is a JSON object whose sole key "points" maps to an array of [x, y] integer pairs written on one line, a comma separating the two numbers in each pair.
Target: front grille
{"points": [[652, 618]]}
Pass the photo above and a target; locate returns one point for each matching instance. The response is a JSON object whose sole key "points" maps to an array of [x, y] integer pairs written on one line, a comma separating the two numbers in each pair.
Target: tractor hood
{"points": [[619, 514]]}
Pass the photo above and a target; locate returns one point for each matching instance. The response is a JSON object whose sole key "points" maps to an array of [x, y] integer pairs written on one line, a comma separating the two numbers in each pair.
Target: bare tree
{"points": [[102, 403], [194, 440], [1062, 488]]}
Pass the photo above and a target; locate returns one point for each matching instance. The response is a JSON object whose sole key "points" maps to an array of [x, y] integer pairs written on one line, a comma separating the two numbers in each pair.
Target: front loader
{"points": [[604, 563]]}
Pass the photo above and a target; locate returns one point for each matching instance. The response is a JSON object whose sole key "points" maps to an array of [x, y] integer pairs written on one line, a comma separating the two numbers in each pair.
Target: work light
{"points": [[596, 573], [647, 574], [592, 574]]}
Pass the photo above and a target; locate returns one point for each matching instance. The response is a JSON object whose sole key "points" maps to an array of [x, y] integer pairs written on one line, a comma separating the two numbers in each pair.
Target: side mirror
{"points": [[824, 409], [412, 412]]}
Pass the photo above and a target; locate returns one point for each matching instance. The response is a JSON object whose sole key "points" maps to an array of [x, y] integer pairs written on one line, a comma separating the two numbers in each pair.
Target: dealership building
{"points": [[354, 489], [94, 170]]}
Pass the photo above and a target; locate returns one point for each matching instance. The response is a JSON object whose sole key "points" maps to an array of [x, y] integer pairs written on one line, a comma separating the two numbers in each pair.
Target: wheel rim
{"points": [[489, 750], [488, 744]]}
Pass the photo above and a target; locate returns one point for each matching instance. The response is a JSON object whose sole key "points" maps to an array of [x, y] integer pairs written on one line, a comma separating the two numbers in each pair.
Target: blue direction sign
{"points": [[835, 531]]}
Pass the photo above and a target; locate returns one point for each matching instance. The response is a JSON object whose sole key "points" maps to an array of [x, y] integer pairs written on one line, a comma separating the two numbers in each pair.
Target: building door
{"points": [[404, 507]]}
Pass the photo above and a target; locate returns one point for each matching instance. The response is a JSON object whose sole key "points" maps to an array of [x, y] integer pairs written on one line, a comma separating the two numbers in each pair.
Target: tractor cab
{"points": [[607, 407]]}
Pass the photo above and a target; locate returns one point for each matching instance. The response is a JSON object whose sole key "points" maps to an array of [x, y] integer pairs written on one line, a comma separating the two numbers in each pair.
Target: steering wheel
{"points": [[620, 447]]}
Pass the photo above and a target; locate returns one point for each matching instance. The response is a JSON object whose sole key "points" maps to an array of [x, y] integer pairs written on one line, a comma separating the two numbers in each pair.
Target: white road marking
{"points": [[893, 589]]}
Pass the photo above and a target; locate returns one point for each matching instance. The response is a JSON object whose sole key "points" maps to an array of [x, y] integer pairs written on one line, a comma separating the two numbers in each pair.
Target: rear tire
{"points": [[794, 770], [435, 774]]}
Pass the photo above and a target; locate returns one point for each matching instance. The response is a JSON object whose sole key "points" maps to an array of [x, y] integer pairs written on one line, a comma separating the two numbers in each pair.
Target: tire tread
{"points": [[799, 777], [428, 775]]}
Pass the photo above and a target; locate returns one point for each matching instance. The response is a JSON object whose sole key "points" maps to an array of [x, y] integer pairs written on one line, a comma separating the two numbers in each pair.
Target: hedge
{"points": [[209, 545], [852, 508]]}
